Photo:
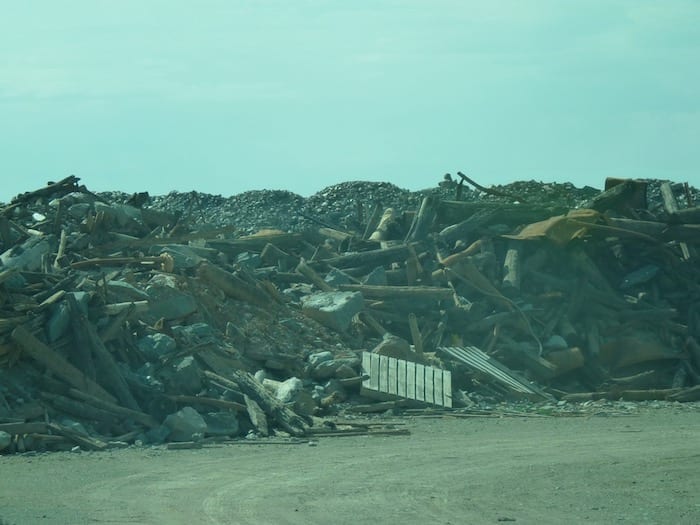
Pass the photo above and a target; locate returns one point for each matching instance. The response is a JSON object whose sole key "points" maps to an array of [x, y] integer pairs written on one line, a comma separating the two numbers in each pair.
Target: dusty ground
{"points": [[600, 469]]}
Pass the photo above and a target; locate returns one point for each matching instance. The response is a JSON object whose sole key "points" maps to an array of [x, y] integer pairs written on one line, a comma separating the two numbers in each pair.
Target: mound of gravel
{"points": [[338, 205]]}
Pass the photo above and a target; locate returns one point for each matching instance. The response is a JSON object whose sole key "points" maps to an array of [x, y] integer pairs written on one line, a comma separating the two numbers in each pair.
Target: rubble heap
{"points": [[187, 317]]}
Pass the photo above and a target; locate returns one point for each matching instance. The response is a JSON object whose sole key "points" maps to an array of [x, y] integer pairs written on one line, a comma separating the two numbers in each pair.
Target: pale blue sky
{"points": [[228, 96]]}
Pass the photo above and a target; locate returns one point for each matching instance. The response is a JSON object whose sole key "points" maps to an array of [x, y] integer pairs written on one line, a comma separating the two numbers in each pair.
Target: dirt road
{"points": [[634, 469]]}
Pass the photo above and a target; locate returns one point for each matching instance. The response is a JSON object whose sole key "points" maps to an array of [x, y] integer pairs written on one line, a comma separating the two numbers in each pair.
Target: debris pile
{"points": [[190, 317]]}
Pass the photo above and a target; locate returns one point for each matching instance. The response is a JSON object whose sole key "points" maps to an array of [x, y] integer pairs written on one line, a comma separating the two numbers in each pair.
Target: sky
{"points": [[226, 96]]}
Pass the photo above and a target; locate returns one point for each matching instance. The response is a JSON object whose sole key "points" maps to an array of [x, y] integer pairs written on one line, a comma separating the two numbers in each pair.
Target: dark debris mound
{"points": [[185, 317]]}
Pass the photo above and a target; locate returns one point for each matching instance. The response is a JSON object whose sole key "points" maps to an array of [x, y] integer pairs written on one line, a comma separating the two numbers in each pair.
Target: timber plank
{"points": [[401, 367], [447, 388], [420, 382], [429, 393], [383, 373], [392, 376], [366, 369], [410, 380], [437, 387]]}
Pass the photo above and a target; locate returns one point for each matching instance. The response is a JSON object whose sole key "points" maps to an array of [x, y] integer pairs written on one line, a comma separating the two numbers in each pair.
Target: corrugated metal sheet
{"points": [[478, 360]]}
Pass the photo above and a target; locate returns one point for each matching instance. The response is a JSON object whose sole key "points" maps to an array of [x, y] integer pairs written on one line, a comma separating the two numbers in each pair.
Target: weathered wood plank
{"points": [[383, 373], [447, 388], [429, 385], [57, 364], [23, 428], [367, 370], [401, 366], [420, 382], [393, 376], [410, 380], [417, 293], [437, 387], [374, 372]]}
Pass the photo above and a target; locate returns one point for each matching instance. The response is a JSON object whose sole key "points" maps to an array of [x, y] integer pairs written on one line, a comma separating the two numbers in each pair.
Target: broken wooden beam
{"points": [[418, 293], [136, 415], [380, 257], [233, 286], [57, 364], [79, 438]]}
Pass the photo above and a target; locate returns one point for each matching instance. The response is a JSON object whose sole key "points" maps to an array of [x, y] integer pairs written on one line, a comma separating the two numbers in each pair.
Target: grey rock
{"points": [[319, 357], [194, 334], [28, 256], [5, 440], [333, 309], [289, 389], [345, 371], [185, 425], [185, 377], [79, 210], [222, 424], [394, 346], [318, 393], [336, 277], [328, 369], [121, 292], [82, 299], [119, 214], [59, 320], [556, 342], [166, 300], [156, 345], [184, 256], [146, 376]]}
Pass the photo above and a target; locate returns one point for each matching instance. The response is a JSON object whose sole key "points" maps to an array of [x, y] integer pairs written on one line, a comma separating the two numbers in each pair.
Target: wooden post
{"points": [[424, 220]]}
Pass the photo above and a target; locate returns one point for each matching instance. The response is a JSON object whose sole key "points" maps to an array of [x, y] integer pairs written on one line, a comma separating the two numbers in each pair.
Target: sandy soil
{"points": [[634, 469]]}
